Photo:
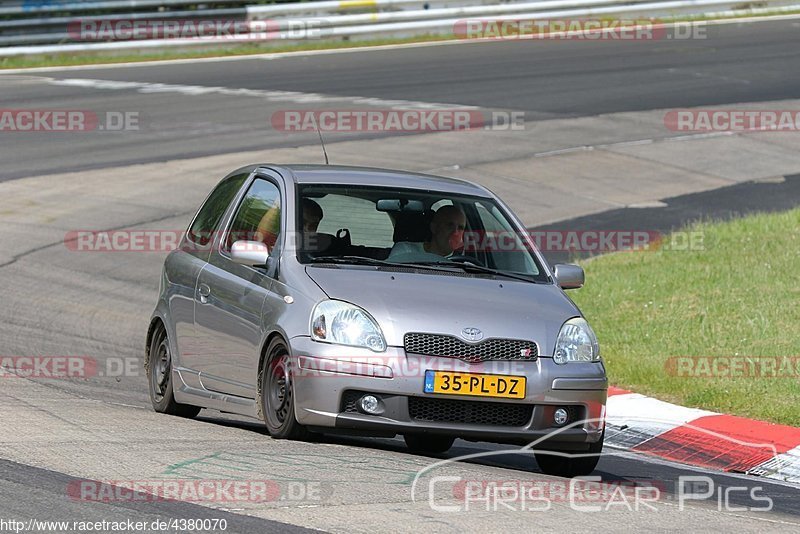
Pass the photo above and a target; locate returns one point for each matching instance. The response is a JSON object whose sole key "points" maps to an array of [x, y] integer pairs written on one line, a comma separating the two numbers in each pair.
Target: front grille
{"points": [[469, 412], [487, 350]]}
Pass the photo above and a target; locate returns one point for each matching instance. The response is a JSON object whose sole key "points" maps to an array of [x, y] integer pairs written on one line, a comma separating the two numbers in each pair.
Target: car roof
{"points": [[369, 176]]}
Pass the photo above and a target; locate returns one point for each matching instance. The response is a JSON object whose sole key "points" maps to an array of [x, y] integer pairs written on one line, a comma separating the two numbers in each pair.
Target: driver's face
{"points": [[448, 230]]}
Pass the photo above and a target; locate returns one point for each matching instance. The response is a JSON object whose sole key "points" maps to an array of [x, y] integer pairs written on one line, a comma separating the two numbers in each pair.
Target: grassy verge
{"points": [[735, 299], [98, 58]]}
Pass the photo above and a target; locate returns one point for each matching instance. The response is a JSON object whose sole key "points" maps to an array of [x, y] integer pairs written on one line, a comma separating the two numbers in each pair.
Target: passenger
{"points": [[312, 215], [269, 226], [311, 240], [447, 236]]}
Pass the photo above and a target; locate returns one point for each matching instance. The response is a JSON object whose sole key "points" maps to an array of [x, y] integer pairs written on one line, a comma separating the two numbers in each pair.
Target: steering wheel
{"points": [[462, 258]]}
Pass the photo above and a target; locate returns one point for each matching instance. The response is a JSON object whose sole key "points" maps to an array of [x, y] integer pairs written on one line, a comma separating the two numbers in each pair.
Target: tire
{"points": [[276, 395], [428, 443], [564, 464], [159, 373]]}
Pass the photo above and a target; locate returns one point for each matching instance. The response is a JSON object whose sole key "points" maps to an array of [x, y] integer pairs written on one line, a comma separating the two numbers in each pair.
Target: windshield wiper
{"points": [[364, 260], [356, 260], [475, 268]]}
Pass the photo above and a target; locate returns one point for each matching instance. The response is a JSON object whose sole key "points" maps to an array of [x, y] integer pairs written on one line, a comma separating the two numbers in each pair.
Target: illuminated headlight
{"points": [[334, 321], [576, 343]]}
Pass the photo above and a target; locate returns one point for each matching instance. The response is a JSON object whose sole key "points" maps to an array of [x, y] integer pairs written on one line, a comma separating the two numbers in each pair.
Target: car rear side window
{"points": [[205, 222]]}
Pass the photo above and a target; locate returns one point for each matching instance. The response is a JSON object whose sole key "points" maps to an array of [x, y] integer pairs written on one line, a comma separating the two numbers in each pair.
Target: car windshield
{"points": [[405, 228]]}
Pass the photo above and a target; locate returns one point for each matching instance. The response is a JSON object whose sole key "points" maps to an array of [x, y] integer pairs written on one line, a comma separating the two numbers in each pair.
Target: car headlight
{"points": [[576, 343], [334, 321]]}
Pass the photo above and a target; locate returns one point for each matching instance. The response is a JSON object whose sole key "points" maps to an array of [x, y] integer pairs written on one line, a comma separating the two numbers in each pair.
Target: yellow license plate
{"points": [[502, 386]]}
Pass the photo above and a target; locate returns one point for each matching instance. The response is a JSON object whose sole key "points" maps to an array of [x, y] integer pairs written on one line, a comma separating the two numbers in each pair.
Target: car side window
{"points": [[489, 222], [258, 217], [208, 216], [509, 252]]}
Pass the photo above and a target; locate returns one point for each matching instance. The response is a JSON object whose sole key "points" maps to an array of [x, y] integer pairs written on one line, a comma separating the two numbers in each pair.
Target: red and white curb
{"points": [[702, 438]]}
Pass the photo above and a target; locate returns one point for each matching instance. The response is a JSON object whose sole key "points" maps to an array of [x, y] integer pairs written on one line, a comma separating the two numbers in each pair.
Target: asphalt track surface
{"points": [[545, 79], [25, 488], [737, 63]]}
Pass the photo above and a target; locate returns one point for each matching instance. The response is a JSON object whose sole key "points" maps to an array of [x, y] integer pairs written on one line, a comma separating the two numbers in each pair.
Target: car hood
{"points": [[404, 302]]}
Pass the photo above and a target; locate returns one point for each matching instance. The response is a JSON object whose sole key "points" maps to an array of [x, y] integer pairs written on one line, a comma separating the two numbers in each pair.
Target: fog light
{"points": [[369, 404], [560, 416]]}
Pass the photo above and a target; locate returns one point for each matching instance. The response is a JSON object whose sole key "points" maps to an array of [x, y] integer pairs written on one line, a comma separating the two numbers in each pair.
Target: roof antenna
{"points": [[323, 145]]}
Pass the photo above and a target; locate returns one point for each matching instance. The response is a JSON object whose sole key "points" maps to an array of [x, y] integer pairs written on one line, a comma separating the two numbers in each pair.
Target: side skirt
{"points": [[189, 390]]}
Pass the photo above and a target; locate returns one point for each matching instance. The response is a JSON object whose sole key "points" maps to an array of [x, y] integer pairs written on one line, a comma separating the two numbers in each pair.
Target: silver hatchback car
{"points": [[344, 299]]}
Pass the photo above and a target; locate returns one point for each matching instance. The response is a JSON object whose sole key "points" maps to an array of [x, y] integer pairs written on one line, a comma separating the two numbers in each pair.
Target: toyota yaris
{"points": [[344, 299]]}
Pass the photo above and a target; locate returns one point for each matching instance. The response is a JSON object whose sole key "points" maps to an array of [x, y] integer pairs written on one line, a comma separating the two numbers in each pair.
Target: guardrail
{"points": [[50, 26], [52, 6]]}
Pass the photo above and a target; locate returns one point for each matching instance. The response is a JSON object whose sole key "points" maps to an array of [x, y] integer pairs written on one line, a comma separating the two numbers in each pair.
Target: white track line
{"points": [[294, 97]]}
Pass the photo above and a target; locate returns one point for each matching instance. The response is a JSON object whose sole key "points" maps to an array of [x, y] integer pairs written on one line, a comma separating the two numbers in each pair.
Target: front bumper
{"points": [[328, 377]]}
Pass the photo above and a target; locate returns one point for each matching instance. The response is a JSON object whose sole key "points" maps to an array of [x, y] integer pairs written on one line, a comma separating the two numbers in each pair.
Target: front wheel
{"points": [[428, 443], [159, 367], [277, 394], [570, 464]]}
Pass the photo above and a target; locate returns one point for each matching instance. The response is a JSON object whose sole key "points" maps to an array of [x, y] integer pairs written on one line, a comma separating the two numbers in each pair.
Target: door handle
{"points": [[204, 291]]}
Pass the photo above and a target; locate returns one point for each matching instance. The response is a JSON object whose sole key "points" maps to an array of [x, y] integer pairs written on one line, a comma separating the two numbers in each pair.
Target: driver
{"points": [[447, 235]]}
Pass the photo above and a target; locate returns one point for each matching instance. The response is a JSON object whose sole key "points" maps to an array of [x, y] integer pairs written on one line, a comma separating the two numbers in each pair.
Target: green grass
{"points": [[98, 58], [737, 297]]}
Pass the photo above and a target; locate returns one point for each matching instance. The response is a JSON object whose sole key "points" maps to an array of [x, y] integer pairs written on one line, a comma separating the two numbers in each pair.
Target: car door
{"points": [[183, 266], [230, 296]]}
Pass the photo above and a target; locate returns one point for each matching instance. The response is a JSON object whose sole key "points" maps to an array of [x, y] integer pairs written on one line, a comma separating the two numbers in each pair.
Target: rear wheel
{"points": [[159, 367], [567, 464], [277, 394], [428, 443]]}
